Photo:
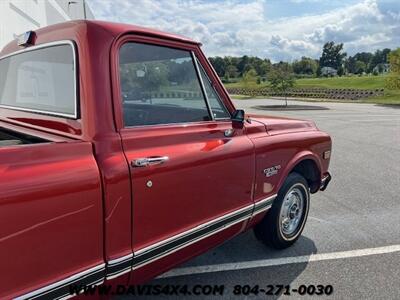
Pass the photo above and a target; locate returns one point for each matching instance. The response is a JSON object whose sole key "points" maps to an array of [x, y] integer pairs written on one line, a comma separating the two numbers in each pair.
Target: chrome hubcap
{"points": [[291, 211]]}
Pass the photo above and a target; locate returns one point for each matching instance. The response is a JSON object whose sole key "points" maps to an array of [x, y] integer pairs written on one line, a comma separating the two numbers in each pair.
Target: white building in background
{"points": [[19, 16]]}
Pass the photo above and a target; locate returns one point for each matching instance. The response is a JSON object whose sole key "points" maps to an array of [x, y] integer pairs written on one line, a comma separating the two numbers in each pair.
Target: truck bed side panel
{"points": [[50, 215]]}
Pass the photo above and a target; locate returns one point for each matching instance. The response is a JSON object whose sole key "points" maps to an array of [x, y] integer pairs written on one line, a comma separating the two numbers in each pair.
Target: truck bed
{"points": [[12, 138]]}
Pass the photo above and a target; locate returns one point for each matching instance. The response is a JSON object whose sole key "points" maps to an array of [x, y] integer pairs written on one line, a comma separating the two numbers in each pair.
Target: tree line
{"points": [[333, 61]]}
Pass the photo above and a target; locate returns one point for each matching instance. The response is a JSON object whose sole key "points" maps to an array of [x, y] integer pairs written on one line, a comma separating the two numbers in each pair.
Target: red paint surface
{"points": [[50, 214], [74, 203]]}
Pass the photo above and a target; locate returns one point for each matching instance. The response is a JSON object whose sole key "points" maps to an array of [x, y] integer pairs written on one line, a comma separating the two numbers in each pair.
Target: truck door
{"points": [[191, 172]]}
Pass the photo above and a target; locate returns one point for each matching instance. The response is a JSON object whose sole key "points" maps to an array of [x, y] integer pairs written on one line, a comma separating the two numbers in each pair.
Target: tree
{"points": [[262, 66], [281, 80], [265, 67], [283, 66], [219, 65], [231, 71], [360, 67], [249, 76], [379, 57], [366, 58], [154, 76], [393, 79], [243, 62], [306, 65], [332, 55], [371, 60], [351, 65], [341, 71]]}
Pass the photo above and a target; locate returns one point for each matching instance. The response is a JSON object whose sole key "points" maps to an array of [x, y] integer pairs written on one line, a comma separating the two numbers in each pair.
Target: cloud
{"points": [[240, 27], [305, 1]]}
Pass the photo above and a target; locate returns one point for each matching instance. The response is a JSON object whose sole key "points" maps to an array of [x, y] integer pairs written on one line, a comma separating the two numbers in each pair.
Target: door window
{"points": [[159, 85], [217, 107]]}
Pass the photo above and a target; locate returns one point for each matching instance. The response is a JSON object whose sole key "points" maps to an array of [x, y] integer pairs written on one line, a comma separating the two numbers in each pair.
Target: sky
{"points": [[275, 29]]}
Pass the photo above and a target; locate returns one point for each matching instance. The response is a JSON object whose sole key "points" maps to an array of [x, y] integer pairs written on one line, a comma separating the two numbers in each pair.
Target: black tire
{"points": [[270, 230]]}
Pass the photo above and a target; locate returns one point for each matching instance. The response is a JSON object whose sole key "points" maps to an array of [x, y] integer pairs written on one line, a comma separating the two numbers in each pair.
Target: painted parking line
{"points": [[280, 261]]}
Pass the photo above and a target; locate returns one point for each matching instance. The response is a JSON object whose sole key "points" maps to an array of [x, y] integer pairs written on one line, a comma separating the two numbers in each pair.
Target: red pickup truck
{"points": [[122, 155]]}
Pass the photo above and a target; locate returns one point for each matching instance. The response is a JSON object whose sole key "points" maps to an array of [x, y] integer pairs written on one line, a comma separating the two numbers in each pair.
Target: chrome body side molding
{"points": [[117, 267]]}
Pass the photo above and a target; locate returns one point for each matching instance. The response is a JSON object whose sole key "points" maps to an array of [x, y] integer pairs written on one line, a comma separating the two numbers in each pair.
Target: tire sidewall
{"points": [[292, 181]]}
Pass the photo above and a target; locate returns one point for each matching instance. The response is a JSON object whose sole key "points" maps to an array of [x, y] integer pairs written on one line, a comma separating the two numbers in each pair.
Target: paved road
{"points": [[360, 210]]}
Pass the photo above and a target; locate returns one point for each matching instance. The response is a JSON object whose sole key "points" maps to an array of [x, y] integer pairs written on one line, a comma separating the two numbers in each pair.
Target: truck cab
{"points": [[122, 155]]}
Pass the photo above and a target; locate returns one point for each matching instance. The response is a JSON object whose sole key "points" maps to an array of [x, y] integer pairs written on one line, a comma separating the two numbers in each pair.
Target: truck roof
{"points": [[115, 29], [119, 28], [94, 41]]}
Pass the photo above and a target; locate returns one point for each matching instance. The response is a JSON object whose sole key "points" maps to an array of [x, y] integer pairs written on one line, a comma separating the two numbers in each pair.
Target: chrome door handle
{"points": [[147, 161]]}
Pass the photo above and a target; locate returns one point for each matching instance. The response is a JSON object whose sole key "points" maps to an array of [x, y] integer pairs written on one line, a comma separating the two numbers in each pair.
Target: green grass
{"points": [[241, 97], [364, 82], [355, 82], [391, 97], [251, 85]]}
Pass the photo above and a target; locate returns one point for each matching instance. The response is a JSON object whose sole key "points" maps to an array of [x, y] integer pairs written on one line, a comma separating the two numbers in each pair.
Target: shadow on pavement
{"points": [[241, 249], [389, 105], [291, 107]]}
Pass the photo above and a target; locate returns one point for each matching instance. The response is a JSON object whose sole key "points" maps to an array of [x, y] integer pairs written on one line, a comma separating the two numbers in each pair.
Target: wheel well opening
{"points": [[310, 171]]}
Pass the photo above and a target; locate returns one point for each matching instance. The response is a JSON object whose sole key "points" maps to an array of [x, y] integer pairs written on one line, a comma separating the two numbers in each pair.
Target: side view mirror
{"points": [[238, 116]]}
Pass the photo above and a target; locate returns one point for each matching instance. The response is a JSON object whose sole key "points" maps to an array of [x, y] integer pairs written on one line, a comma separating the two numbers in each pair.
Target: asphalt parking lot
{"points": [[352, 237]]}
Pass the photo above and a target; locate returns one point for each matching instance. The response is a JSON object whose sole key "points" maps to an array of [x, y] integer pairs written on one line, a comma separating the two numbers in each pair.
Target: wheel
{"points": [[284, 222]]}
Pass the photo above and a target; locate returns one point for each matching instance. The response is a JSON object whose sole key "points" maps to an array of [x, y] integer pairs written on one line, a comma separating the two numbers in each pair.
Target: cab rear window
{"points": [[41, 79]]}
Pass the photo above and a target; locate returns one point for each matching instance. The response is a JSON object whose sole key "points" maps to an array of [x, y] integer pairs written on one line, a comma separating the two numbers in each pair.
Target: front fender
{"points": [[296, 160], [281, 154]]}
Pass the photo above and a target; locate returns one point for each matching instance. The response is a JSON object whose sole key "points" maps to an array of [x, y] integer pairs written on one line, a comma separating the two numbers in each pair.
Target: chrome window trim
{"points": [[180, 124], [216, 93], [43, 46], [203, 89]]}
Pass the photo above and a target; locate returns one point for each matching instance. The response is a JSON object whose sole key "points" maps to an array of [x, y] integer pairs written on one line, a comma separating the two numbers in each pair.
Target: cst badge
{"points": [[268, 172]]}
